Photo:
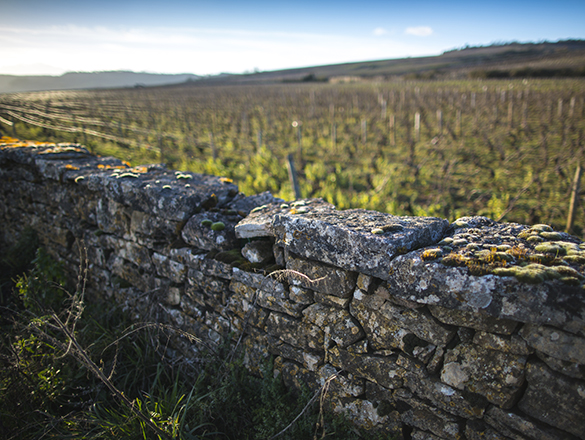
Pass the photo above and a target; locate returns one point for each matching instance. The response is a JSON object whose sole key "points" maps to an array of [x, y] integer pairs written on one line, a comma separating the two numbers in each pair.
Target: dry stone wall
{"points": [[469, 330]]}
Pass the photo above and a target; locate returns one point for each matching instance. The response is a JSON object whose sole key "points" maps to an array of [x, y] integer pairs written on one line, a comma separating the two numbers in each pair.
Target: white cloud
{"points": [[419, 31], [192, 50], [379, 31]]}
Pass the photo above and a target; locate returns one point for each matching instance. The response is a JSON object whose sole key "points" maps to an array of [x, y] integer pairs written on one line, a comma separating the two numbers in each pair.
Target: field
{"points": [[506, 149]]}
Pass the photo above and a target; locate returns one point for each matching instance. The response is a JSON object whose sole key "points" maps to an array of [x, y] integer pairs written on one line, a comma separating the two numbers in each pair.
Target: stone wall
{"points": [[469, 330]]}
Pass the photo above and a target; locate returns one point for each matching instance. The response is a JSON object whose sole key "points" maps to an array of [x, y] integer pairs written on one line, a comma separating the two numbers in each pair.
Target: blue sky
{"points": [[209, 37]]}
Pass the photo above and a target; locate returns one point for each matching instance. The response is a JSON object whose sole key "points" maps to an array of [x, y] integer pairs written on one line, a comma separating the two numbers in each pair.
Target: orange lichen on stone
{"points": [[139, 169], [71, 167], [10, 142], [101, 166]]}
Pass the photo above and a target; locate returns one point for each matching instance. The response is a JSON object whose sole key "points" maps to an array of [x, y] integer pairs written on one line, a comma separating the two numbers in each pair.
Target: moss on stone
{"points": [[218, 226]]}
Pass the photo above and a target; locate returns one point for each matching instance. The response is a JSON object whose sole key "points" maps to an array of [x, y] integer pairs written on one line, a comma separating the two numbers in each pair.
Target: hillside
{"points": [[88, 80], [563, 58], [560, 59]]}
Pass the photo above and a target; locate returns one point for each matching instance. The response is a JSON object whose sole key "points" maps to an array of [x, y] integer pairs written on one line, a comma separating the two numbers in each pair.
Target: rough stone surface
{"points": [[260, 221], [345, 238], [381, 370], [550, 302], [508, 344], [541, 399], [555, 343], [321, 278], [257, 251], [294, 332], [497, 376], [473, 320], [389, 325], [200, 232], [518, 426], [244, 204], [338, 324]]}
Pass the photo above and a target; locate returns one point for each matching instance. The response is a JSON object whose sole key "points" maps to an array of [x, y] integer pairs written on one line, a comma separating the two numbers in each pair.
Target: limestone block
{"points": [[434, 421], [433, 283], [300, 295], [477, 321], [388, 325], [332, 300], [365, 282], [256, 353], [309, 359], [187, 256], [147, 225], [215, 268], [496, 375], [553, 399], [210, 230], [335, 322], [423, 435], [344, 385], [165, 194], [355, 239], [272, 282], [271, 301], [294, 376], [382, 370], [517, 426], [260, 221], [244, 204], [478, 430], [242, 307], [279, 255], [364, 414], [139, 255], [165, 267], [113, 217], [555, 342], [321, 278], [173, 296], [508, 344], [571, 369], [208, 284], [460, 403], [86, 208], [130, 273], [190, 308], [295, 332], [257, 251]]}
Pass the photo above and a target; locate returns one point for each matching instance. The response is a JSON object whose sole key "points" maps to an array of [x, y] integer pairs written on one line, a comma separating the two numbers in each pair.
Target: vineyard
{"points": [[506, 149]]}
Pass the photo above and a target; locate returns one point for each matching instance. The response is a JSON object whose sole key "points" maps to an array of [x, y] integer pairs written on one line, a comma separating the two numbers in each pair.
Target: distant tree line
{"points": [[530, 72]]}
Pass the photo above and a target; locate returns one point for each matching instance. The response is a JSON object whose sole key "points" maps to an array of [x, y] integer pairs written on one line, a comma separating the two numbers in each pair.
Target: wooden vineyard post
{"points": [[364, 132], [212, 145], [392, 126], [574, 198], [510, 114], [297, 125], [333, 137], [160, 149], [440, 122], [292, 175], [417, 127]]}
